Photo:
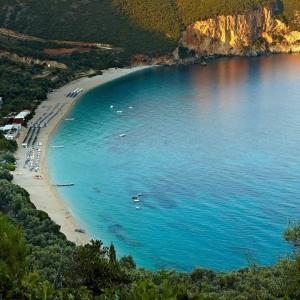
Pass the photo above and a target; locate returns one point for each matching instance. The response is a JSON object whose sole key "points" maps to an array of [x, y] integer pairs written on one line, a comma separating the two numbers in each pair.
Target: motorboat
{"points": [[136, 199]]}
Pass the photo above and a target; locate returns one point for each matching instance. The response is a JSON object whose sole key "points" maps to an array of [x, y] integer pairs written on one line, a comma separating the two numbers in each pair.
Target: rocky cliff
{"points": [[255, 32]]}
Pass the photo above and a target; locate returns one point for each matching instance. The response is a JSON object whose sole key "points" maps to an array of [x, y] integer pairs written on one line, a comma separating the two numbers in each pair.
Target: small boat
{"points": [[57, 146], [119, 111], [130, 107], [122, 135], [70, 119], [140, 195], [137, 207], [111, 106], [135, 199], [203, 63]]}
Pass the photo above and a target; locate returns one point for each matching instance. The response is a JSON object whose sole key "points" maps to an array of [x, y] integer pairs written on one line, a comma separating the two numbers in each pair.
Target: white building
{"points": [[11, 131], [20, 117]]}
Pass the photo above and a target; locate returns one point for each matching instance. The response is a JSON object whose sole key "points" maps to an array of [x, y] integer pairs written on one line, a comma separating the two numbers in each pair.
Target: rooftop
{"points": [[22, 114]]}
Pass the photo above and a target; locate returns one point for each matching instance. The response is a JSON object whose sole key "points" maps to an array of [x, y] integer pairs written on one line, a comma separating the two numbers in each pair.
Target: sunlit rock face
{"points": [[252, 33]]}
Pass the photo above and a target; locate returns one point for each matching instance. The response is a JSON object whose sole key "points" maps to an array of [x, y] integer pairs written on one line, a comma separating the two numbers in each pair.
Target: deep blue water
{"points": [[215, 151]]}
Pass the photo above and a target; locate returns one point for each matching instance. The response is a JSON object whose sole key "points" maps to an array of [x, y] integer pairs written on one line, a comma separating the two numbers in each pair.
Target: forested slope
{"points": [[138, 25], [194, 10]]}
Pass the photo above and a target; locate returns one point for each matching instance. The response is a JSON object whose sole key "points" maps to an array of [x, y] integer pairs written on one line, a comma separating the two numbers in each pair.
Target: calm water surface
{"points": [[214, 150]]}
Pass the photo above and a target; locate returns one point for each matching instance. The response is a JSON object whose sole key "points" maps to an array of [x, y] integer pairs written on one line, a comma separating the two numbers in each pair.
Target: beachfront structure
{"points": [[20, 118], [17, 118], [11, 131]]}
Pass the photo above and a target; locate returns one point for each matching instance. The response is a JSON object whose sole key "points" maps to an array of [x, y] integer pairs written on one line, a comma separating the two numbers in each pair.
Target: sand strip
{"points": [[42, 194]]}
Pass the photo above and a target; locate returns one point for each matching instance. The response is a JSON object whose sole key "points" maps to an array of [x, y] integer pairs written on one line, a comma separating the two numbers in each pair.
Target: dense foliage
{"points": [[154, 16], [20, 86], [193, 10], [48, 254]]}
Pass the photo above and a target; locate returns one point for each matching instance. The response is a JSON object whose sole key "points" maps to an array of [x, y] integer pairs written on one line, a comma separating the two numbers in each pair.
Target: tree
{"points": [[9, 158], [127, 262], [4, 174], [91, 267], [112, 254], [292, 282], [292, 235], [13, 251]]}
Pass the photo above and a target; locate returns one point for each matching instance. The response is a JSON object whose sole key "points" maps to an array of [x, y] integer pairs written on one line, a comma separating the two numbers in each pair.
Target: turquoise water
{"points": [[214, 150]]}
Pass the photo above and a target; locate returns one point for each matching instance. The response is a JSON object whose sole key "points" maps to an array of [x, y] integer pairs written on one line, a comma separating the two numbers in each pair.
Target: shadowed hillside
{"points": [[90, 20]]}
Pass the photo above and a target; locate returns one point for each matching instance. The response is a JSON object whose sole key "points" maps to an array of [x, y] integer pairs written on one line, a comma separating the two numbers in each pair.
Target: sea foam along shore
{"points": [[42, 192]]}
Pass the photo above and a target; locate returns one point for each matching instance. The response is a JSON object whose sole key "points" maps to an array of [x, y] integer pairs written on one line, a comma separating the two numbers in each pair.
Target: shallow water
{"points": [[215, 151]]}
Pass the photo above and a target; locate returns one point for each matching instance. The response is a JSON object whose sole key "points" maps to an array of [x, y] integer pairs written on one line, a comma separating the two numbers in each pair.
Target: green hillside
{"points": [[193, 10], [139, 26], [91, 20]]}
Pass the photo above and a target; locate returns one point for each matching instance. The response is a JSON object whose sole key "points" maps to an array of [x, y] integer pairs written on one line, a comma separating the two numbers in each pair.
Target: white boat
{"points": [[122, 135], [57, 146], [119, 111], [135, 199]]}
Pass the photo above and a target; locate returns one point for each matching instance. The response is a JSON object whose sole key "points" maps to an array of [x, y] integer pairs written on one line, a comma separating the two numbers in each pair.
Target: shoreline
{"points": [[43, 194]]}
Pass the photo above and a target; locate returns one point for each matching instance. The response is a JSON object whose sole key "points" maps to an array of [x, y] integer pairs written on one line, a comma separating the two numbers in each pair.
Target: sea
{"points": [[187, 166]]}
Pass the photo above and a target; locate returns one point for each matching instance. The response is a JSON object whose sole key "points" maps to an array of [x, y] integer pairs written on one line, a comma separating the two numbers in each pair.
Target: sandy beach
{"points": [[42, 193]]}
